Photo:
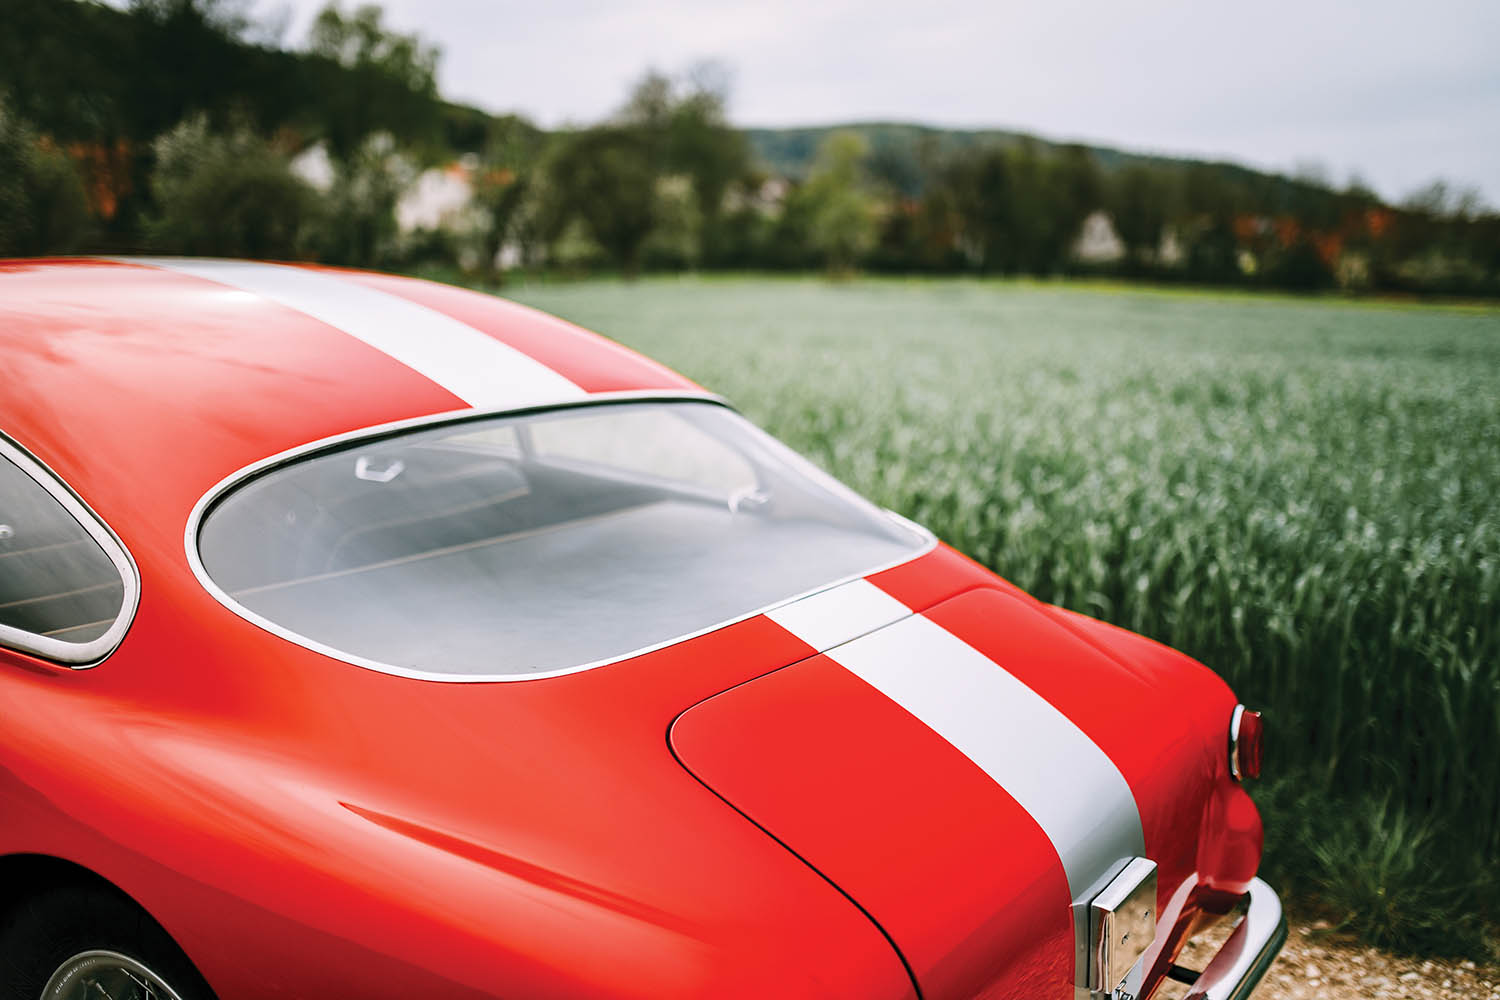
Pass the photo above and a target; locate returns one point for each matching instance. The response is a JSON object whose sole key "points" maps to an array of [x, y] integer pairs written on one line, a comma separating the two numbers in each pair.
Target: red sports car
{"points": [[362, 637]]}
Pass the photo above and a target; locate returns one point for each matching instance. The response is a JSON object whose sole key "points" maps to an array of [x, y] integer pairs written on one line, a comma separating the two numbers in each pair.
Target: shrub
{"points": [[677, 238], [1300, 267], [43, 208], [358, 227], [227, 195], [841, 214], [1401, 880], [434, 250]]}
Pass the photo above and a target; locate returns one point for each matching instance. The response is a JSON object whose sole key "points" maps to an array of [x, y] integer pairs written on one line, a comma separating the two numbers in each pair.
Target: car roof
{"points": [[143, 382]]}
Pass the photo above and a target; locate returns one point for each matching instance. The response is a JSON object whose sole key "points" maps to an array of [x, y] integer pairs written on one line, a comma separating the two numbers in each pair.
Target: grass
{"points": [[1303, 494]]}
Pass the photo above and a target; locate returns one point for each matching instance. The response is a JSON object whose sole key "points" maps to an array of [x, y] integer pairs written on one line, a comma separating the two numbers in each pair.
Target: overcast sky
{"points": [[1397, 92]]}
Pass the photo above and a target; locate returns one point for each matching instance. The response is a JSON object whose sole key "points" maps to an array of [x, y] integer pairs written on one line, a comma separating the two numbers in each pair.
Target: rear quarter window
{"points": [[66, 586]]}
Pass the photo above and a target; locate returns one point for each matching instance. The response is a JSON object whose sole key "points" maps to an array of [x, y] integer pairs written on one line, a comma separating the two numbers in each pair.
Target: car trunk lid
{"points": [[962, 808]]}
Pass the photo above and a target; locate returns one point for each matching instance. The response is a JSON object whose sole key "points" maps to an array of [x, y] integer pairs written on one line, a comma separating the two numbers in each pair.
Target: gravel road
{"points": [[1317, 964]]}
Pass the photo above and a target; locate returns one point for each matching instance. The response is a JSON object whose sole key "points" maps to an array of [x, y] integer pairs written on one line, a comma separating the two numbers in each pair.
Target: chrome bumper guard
{"points": [[1237, 969]]}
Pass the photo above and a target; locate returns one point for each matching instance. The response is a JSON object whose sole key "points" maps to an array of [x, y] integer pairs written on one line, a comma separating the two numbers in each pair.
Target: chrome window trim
{"points": [[454, 417], [74, 655]]}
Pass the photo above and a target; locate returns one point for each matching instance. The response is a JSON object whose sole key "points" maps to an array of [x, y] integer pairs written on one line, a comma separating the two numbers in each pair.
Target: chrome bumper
{"points": [[1237, 969]]}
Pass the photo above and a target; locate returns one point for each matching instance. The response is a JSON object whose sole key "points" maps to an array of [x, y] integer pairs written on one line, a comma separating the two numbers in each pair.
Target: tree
{"points": [[503, 183], [684, 126], [42, 204], [607, 176], [1075, 191], [373, 80], [983, 188], [102, 83], [703, 146], [1141, 205], [1031, 213], [677, 232], [622, 178], [358, 226], [840, 213], [227, 195], [1220, 218], [649, 107]]}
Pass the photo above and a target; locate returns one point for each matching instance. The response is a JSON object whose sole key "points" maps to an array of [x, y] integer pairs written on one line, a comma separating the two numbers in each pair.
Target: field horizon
{"points": [[519, 284]]}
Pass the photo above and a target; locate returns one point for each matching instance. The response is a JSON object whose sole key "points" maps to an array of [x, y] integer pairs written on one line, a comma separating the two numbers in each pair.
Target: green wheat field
{"points": [[1304, 494]]}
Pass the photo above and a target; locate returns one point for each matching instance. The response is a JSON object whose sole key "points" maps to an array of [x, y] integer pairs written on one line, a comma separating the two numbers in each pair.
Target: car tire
{"points": [[76, 933]]}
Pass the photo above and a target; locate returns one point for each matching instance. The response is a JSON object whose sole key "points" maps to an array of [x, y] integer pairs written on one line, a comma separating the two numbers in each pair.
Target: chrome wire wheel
{"points": [[106, 975]]}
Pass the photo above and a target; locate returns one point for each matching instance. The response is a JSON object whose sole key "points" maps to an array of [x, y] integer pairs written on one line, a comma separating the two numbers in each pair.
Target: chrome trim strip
{"points": [[249, 472], [1240, 965], [75, 655]]}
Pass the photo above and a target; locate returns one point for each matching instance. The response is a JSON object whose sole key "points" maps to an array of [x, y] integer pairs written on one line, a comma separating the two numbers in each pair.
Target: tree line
{"points": [[183, 126]]}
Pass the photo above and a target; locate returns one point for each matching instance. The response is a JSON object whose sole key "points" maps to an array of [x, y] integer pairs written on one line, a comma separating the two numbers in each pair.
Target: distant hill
{"points": [[901, 152]]}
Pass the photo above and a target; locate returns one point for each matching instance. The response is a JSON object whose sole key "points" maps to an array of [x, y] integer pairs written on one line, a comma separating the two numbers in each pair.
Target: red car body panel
{"points": [[888, 809], [304, 815], [845, 777], [306, 827]]}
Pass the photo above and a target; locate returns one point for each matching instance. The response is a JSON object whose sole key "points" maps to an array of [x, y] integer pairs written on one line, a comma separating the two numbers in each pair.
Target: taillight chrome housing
{"points": [[1245, 738]]}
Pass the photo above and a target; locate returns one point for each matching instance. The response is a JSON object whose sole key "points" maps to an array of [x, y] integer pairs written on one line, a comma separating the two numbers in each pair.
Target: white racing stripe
{"points": [[1038, 755], [836, 615], [472, 365]]}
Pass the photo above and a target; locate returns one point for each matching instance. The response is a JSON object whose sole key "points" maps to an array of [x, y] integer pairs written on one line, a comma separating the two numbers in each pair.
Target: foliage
{"points": [[132, 73], [43, 208], [227, 195], [607, 175], [702, 146], [504, 182], [1303, 495], [358, 223], [383, 81], [615, 175], [901, 154], [916, 199], [104, 83], [1020, 207], [674, 241], [840, 214], [1140, 204], [1369, 864]]}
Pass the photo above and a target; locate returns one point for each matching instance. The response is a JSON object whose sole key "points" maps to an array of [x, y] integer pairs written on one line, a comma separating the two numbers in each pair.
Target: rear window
{"points": [[63, 594], [535, 544]]}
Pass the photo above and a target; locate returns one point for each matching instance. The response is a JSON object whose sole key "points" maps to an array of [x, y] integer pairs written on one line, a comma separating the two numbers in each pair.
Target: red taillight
{"points": [[1245, 737]]}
